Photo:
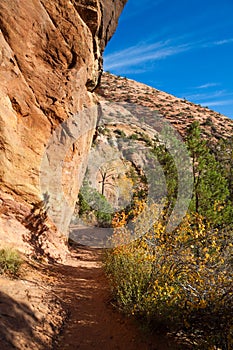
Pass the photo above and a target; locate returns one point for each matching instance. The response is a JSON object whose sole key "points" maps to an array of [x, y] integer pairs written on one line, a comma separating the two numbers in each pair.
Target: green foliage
{"points": [[10, 262], [121, 133], [169, 168], [134, 136], [104, 217], [224, 155], [103, 130], [182, 279], [209, 121], [211, 191], [144, 137], [90, 200], [84, 207], [213, 176]]}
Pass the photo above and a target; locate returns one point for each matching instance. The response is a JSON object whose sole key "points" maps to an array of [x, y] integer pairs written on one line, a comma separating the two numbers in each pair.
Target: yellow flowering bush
{"points": [[182, 279]]}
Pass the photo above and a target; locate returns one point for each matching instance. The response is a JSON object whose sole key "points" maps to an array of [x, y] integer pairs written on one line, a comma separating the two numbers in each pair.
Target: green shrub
{"points": [[134, 137], [121, 133], [144, 137], [10, 262], [91, 201], [208, 122]]}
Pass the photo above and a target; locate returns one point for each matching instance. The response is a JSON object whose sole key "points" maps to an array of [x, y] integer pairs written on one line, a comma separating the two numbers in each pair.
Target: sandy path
{"points": [[93, 323]]}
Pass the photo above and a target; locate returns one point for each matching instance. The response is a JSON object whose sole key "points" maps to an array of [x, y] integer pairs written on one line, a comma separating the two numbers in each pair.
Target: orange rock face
{"points": [[50, 63]]}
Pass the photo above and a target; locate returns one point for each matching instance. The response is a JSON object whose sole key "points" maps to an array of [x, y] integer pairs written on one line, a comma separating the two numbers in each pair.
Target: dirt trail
{"points": [[93, 323]]}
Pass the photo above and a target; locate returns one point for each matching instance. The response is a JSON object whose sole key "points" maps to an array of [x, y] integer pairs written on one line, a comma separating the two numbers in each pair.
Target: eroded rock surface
{"points": [[50, 61], [50, 64]]}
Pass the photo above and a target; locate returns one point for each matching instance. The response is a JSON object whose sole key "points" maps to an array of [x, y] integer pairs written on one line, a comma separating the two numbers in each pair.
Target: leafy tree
{"points": [[183, 278], [90, 200], [224, 154], [211, 192], [166, 161]]}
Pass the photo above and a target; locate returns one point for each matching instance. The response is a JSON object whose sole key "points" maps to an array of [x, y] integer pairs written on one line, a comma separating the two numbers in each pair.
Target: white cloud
{"points": [[223, 42], [217, 103], [136, 71], [217, 43], [142, 53], [207, 85], [205, 96]]}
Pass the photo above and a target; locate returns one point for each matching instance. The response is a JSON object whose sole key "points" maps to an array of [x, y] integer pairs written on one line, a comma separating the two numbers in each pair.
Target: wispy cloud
{"points": [[217, 103], [208, 96], [207, 85], [210, 43], [215, 99], [142, 53], [136, 71], [224, 42]]}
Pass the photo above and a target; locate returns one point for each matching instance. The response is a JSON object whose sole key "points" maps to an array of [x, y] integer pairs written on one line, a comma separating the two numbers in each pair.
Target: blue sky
{"points": [[182, 47]]}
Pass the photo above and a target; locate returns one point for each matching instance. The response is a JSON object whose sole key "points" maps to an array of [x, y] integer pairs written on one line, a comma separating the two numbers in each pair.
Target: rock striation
{"points": [[50, 63]]}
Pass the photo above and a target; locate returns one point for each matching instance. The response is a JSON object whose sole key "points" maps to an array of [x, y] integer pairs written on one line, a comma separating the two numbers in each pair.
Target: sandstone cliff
{"points": [[51, 62]]}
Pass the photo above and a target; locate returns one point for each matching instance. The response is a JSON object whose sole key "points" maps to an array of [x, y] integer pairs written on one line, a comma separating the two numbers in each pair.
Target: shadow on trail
{"points": [[93, 322], [16, 318]]}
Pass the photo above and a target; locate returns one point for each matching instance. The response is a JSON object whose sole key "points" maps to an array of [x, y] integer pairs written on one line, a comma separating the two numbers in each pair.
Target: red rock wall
{"points": [[50, 64]]}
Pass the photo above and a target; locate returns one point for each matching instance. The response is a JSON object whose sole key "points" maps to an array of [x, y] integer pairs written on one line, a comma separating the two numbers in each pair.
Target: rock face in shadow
{"points": [[50, 62]]}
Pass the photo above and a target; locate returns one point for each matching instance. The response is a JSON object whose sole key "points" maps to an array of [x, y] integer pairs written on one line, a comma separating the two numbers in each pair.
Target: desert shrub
{"points": [[134, 136], [120, 133], [103, 130], [91, 201], [208, 121], [104, 218], [146, 138], [84, 207], [181, 279], [10, 262]]}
